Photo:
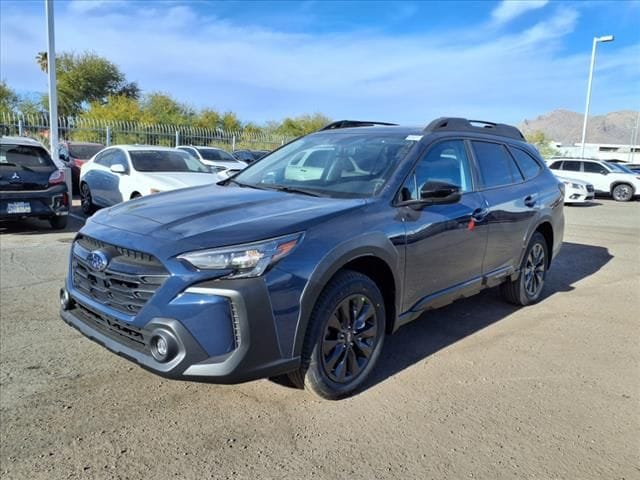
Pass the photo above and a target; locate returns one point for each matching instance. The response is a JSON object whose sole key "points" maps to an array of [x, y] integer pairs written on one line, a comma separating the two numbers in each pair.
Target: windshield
{"points": [[616, 167], [216, 155], [165, 161], [351, 165], [24, 156], [84, 152]]}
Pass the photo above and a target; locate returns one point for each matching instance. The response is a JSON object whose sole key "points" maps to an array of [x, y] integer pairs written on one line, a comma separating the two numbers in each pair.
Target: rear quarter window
{"points": [[528, 165], [495, 165]]}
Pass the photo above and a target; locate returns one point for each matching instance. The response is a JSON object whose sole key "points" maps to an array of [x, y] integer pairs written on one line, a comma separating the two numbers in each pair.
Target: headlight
{"points": [[578, 186], [248, 260]]}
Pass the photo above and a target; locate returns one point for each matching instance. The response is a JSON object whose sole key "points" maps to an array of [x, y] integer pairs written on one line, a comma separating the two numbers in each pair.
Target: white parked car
{"points": [[576, 191], [125, 172], [607, 178], [221, 161]]}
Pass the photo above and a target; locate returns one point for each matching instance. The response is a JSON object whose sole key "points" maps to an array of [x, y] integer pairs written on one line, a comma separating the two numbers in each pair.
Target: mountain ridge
{"points": [[565, 126]]}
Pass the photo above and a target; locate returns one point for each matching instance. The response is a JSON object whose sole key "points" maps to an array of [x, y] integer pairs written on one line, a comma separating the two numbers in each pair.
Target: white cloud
{"points": [[86, 6], [507, 10], [265, 74]]}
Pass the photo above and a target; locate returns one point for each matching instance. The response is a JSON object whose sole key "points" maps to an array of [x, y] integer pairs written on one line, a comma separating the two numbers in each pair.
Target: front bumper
{"points": [[224, 331], [47, 203]]}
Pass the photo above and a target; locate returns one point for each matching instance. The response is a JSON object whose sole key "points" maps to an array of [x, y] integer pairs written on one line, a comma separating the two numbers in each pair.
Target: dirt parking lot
{"points": [[476, 390]]}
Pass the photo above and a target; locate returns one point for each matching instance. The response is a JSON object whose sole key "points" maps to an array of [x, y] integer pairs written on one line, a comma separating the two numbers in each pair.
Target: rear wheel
{"points": [[622, 192], [58, 223], [135, 195], [344, 338], [527, 288], [86, 201]]}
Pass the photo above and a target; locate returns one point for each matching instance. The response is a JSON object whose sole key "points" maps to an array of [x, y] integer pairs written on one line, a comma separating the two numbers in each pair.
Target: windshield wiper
{"points": [[284, 188], [240, 184]]}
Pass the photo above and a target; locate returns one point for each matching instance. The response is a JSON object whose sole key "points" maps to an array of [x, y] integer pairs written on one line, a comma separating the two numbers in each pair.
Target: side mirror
{"points": [[440, 192], [604, 172], [118, 168]]}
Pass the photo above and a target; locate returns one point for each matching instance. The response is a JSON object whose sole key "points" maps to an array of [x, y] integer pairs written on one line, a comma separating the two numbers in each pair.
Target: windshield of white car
{"points": [[165, 161], [616, 167], [341, 165], [216, 155]]}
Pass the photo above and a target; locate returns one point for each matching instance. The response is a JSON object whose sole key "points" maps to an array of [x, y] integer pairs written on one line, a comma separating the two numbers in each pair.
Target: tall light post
{"points": [[53, 92], [596, 40]]}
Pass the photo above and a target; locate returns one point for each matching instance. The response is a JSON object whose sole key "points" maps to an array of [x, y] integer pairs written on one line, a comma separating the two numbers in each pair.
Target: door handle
{"points": [[479, 214], [530, 201]]}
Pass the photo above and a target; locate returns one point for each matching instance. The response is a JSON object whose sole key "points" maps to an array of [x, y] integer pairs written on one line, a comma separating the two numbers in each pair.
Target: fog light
{"points": [[66, 302], [163, 346]]}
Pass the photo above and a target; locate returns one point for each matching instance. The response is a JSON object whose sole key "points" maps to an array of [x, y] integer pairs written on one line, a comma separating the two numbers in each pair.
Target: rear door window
{"points": [[495, 165], [571, 165], [528, 165]]}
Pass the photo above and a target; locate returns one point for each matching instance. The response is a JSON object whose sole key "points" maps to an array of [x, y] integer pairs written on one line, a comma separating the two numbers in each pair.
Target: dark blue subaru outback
{"points": [[303, 262]]}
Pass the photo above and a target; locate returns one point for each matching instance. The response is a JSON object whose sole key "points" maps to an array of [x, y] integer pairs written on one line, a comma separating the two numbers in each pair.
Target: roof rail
{"points": [[353, 123], [480, 126]]}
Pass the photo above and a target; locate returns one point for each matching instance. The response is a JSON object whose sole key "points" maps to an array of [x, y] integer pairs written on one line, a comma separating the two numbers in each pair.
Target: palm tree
{"points": [[43, 61]]}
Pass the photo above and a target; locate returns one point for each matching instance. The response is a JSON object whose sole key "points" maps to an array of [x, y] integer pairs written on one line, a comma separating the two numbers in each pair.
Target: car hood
{"points": [[212, 216], [573, 180], [174, 180]]}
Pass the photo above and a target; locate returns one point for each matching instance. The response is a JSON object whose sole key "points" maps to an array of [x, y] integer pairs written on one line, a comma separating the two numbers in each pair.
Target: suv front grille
{"points": [[128, 282]]}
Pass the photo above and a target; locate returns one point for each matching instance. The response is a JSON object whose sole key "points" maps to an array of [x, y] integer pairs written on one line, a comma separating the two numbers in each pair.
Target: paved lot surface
{"points": [[476, 390]]}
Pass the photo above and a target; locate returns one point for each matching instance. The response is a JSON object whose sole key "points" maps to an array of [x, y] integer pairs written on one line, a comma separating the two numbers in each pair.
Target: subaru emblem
{"points": [[98, 260]]}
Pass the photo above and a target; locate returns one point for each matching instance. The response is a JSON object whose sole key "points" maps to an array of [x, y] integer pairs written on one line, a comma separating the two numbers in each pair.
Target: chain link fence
{"points": [[121, 133]]}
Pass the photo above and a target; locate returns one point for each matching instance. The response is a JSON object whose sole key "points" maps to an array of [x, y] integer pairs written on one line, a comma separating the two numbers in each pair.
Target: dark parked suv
{"points": [[304, 261], [31, 185]]}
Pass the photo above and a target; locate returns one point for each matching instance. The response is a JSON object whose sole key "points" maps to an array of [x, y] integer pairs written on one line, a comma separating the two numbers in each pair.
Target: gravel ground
{"points": [[475, 390]]}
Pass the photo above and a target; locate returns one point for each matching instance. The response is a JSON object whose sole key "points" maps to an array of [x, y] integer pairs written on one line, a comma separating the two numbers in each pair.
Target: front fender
{"points": [[374, 245]]}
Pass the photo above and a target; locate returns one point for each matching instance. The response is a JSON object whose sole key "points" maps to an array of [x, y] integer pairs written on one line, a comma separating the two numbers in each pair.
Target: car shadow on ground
{"points": [[440, 328]]}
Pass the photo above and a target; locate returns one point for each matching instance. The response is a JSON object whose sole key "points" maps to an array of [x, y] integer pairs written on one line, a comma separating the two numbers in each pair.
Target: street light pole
{"points": [[606, 38], [53, 93]]}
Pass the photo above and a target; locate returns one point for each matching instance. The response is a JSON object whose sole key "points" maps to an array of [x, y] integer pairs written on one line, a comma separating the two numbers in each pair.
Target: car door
{"points": [[112, 181], [512, 206], [97, 177], [445, 244], [597, 175]]}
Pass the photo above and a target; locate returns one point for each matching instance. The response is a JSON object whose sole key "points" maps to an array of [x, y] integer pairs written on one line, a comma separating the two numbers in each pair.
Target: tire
{"points": [[58, 223], [527, 288], [86, 201], [135, 195], [623, 192], [344, 337]]}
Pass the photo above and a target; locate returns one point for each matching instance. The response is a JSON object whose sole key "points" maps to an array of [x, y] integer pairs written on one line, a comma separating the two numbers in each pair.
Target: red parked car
{"points": [[74, 154]]}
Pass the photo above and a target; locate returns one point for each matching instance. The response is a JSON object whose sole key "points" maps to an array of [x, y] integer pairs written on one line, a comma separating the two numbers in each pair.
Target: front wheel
{"points": [[86, 201], [344, 338], [622, 192], [527, 288]]}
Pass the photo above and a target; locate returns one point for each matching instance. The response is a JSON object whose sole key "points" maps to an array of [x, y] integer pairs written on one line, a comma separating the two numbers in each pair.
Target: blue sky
{"points": [[406, 62]]}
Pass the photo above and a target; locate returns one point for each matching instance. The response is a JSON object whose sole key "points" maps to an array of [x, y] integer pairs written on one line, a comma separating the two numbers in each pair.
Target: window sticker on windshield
{"points": [[414, 138]]}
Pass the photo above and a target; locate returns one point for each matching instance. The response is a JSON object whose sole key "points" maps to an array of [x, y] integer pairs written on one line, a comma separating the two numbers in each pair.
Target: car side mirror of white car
{"points": [[118, 168]]}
